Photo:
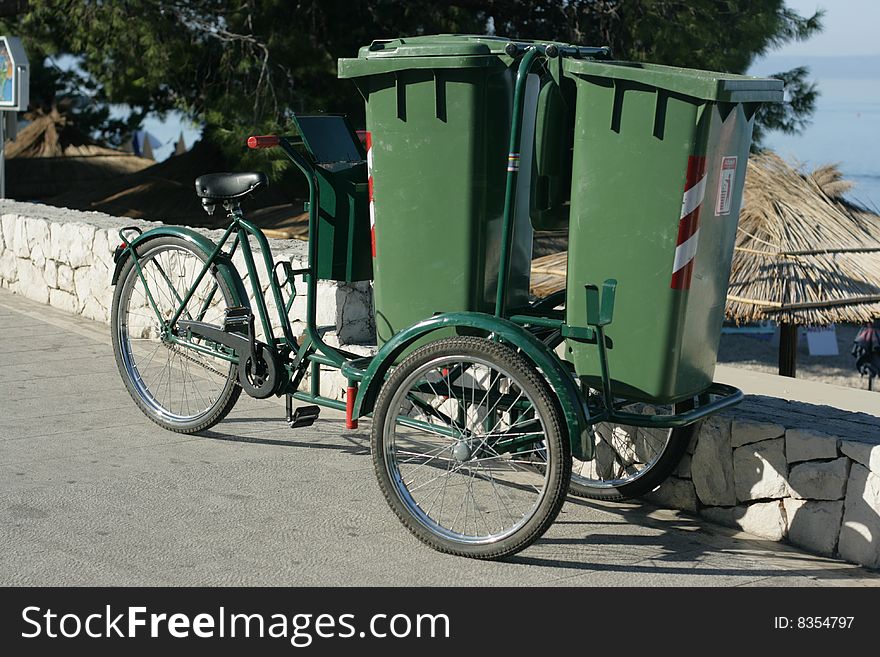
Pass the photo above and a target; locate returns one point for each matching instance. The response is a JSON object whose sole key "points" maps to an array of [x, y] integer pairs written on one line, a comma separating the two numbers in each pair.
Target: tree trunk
{"points": [[788, 341]]}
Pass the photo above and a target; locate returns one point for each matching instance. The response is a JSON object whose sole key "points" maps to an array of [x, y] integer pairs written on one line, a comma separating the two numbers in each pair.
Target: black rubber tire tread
{"points": [[560, 452], [231, 391], [656, 475]]}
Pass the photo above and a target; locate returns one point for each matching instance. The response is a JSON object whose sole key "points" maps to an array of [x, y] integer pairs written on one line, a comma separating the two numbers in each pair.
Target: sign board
{"points": [[14, 71], [822, 340]]}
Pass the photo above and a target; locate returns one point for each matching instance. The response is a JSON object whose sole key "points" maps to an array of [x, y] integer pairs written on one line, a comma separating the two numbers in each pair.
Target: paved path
{"points": [[92, 493]]}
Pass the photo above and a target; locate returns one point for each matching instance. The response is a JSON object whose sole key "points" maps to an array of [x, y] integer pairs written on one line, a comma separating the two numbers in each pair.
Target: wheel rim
{"points": [[177, 384], [453, 474], [624, 453]]}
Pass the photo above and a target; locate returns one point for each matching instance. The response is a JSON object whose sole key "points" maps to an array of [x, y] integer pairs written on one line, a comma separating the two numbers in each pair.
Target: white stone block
{"points": [[808, 445], [19, 239], [65, 278], [747, 431], [8, 222], [38, 256], [765, 519], [675, 493], [37, 234], [80, 248], [683, 469], [820, 480], [31, 283], [860, 533], [712, 464], [8, 267], [720, 515], [760, 471], [64, 301], [50, 273], [865, 453], [814, 525]]}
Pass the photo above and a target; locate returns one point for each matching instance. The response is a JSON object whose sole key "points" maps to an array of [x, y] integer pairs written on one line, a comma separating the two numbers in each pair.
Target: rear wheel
{"points": [[468, 448], [177, 387], [630, 461]]}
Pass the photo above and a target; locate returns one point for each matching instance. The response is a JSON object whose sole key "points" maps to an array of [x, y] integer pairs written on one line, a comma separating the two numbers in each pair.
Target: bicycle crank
{"points": [[259, 369]]}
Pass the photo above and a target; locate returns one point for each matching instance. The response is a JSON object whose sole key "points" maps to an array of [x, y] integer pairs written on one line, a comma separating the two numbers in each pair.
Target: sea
{"points": [[845, 128]]}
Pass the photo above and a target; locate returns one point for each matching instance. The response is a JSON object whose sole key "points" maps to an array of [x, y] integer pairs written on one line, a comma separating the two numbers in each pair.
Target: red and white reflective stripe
{"points": [[689, 223], [369, 141]]}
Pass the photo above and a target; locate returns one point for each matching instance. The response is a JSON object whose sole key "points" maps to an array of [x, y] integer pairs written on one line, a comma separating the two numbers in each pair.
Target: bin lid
{"points": [[429, 51], [705, 85]]}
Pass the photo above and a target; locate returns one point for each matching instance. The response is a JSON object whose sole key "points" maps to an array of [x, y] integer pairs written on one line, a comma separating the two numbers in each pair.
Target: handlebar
{"points": [[263, 141]]}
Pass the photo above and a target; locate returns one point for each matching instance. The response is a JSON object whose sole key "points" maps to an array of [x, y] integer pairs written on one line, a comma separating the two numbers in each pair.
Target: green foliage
{"points": [[240, 66]]}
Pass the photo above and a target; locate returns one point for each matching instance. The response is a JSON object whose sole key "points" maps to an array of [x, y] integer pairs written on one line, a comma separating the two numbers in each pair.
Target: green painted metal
{"points": [[344, 217], [560, 380], [551, 176], [225, 269], [637, 127], [507, 218], [343, 222]]}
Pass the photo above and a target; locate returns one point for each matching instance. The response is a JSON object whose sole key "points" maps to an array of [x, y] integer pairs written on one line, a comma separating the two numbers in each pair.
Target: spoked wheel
{"points": [[468, 448], [630, 461], [177, 387]]}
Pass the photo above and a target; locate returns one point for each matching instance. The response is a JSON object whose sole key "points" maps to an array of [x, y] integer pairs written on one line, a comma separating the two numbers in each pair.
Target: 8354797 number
{"points": [[813, 622]]}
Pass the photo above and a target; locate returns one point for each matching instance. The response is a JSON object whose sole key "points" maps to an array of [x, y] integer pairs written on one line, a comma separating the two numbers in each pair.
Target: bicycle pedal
{"points": [[304, 416]]}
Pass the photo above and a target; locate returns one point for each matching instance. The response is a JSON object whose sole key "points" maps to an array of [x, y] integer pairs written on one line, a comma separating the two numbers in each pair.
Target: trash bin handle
{"points": [[552, 50]]}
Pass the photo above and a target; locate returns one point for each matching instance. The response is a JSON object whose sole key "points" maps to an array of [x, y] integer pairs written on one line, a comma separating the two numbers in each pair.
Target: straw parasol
{"points": [[803, 255], [51, 156]]}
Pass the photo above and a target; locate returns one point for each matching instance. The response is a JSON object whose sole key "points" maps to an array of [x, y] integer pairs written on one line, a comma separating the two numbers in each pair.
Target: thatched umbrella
{"points": [[803, 255], [51, 156]]}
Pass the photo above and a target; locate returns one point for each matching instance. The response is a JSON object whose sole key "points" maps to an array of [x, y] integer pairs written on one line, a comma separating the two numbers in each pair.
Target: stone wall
{"points": [[64, 258], [795, 472], [803, 473]]}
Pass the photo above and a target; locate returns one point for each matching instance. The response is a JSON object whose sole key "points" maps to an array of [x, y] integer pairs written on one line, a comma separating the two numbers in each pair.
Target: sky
{"points": [[850, 28]]}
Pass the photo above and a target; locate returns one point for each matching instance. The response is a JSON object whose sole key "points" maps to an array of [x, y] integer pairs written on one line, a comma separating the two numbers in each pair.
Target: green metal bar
{"points": [[203, 349], [311, 279], [315, 379], [210, 297], [269, 263], [522, 74], [545, 322], [140, 272], [730, 396], [255, 285], [321, 401], [205, 268]]}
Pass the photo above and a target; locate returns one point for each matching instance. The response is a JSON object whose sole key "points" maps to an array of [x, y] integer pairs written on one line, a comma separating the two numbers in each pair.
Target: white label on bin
{"points": [[726, 181]]}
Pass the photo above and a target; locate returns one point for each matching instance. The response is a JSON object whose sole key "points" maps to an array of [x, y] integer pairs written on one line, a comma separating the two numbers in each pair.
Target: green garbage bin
{"points": [[438, 112], [659, 163]]}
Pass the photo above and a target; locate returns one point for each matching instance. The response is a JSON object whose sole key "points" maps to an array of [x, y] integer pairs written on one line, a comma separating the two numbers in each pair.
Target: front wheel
{"points": [[469, 449]]}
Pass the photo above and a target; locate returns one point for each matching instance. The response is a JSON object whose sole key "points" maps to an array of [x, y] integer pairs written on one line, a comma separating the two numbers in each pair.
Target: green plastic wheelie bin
{"points": [[438, 112], [659, 163]]}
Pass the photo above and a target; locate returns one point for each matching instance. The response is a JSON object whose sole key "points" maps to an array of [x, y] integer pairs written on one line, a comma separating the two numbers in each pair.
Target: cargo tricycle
{"points": [[487, 406]]}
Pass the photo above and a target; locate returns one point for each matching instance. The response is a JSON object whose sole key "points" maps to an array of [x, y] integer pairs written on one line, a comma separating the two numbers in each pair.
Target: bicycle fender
{"points": [[225, 268], [561, 382]]}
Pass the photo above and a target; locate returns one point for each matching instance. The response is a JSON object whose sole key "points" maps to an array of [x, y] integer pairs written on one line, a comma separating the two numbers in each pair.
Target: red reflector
{"points": [[362, 135], [123, 246], [263, 141]]}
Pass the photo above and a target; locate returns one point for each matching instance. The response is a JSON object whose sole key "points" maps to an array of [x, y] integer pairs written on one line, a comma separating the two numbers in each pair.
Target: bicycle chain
{"points": [[173, 348]]}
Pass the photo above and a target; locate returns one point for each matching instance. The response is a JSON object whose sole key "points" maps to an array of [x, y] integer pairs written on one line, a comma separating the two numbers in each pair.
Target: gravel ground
{"points": [[762, 354]]}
